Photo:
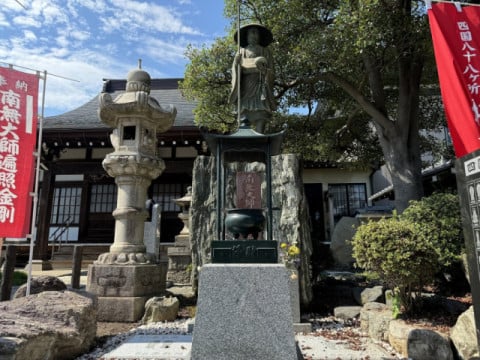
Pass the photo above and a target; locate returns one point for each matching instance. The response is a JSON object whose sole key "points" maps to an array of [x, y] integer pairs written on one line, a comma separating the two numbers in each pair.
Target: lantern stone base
{"points": [[122, 290], [244, 312]]}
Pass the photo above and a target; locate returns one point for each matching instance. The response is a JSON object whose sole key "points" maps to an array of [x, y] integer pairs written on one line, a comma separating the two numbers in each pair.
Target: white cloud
{"points": [[80, 35], [53, 15], [29, 35], [3, 20], [149, 17], [26, 21], [88, 40]]}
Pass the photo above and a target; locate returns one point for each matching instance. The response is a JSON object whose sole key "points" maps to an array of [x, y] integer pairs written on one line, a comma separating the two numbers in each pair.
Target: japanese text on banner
{"points": [[456, 40], [18, 123]]}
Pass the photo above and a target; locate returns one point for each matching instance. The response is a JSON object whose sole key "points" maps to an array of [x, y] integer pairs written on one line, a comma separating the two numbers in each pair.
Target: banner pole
{"points": [[33, 232], [239, 66]]}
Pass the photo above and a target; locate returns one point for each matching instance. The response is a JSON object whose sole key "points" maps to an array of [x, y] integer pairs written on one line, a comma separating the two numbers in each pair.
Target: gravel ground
{"points": [[107, 342], [330, 338]]}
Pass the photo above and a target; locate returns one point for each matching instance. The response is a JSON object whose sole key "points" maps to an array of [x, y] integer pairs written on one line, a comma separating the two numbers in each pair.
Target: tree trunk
{"points": [[402, 158]]}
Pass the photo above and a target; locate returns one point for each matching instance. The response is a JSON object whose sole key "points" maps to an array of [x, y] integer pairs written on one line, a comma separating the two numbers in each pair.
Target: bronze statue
{"points": [[253, 67]]}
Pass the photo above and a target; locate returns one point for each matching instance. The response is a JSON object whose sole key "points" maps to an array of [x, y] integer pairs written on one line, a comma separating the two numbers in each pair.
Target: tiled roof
{"points": [[165, 91]]}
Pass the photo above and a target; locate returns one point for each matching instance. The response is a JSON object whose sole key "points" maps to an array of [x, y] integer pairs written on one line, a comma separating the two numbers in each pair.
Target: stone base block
{"points": [[179, 276], [244, 312], [126, 280], [121, 309]]}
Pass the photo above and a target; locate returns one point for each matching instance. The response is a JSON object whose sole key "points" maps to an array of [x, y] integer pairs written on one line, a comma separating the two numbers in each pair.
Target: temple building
{"points": [[77, 196]]}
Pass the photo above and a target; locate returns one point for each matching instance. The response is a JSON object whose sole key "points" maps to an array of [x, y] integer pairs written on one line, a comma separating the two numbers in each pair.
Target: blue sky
{"points": [[88, 40]]}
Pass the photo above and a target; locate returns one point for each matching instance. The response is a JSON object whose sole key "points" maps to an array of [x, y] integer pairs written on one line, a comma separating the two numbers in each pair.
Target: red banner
{"points": [[18, 133], [456, 41]]}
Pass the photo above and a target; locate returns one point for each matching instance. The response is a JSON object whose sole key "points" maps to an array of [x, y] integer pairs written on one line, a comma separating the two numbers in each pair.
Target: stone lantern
{"points": [[180, 255], [126, 276]]}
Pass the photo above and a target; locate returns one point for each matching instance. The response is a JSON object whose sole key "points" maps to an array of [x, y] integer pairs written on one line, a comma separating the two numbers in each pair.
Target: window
{"points": [[65, 213], [103, 198], [347, 199], [164, 194]]}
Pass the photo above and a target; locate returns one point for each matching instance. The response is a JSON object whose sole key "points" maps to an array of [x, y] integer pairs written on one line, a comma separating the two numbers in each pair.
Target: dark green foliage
{"points": [[363, 70], [439, 215], [19, 278]]}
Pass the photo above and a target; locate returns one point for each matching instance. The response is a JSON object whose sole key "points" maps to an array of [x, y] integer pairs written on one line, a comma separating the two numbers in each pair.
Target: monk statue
{"points": [[256, 75]]}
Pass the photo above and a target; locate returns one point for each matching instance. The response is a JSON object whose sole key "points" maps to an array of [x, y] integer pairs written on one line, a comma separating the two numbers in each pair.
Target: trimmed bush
{"points": [[398, 253], [439, 215], [407, 251]]}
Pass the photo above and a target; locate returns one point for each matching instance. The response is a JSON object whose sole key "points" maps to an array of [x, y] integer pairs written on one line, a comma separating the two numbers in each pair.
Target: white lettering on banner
{"points": [[462, 25], [8, 130], [10, 98], [7, 214], [9, 146], [6, 197], [7, 180], [18, 126], [21, 85], [469, 52], [8, 163], [466, 36]]}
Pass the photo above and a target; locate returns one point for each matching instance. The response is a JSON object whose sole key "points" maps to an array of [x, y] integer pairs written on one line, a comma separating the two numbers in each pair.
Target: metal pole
{"points": [[33, 232], [239, 67]]}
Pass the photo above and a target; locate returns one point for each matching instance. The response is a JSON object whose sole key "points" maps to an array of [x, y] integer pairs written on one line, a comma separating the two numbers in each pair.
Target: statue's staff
{"points": [[239, 63]]}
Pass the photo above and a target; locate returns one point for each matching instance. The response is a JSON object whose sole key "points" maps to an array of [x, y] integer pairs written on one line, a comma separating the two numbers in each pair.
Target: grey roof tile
{"points": [[165, 91]]}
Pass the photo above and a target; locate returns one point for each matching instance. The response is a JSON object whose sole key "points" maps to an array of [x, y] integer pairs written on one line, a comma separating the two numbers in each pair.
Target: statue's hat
{"points": [[266, 36]]}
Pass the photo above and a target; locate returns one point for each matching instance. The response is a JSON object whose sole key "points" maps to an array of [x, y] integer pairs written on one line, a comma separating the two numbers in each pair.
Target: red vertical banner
{"points": [[456, 42], [18, 134]]}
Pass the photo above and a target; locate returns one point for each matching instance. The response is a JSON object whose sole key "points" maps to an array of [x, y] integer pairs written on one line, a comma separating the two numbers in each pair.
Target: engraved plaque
{"points": [[249, 190]]}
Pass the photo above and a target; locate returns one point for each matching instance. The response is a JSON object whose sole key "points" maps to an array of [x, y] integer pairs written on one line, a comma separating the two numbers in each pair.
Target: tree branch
{"points": [[380, 118]]}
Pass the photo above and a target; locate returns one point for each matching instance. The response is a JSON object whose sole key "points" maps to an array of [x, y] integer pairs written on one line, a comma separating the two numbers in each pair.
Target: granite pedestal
{"points": [[122, 290], [244, 312]]}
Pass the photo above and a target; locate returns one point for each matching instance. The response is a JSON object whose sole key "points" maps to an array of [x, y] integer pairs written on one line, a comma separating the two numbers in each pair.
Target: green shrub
{"points": [[407, 251], [439, 215], [398, 252]]}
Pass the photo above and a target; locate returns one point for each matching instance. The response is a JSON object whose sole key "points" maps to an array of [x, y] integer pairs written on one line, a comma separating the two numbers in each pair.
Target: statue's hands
{"points": [[261, 64]]}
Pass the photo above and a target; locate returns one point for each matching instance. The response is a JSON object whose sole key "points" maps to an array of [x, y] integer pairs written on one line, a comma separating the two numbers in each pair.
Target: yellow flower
{"points": [[283, 245], [293, 250]]}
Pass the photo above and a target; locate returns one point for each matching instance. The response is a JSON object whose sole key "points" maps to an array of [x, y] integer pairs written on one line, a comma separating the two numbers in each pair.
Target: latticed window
{"points": [[103, 198], [66, 205], [164, 194], [347, 199], [65, 213]]}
